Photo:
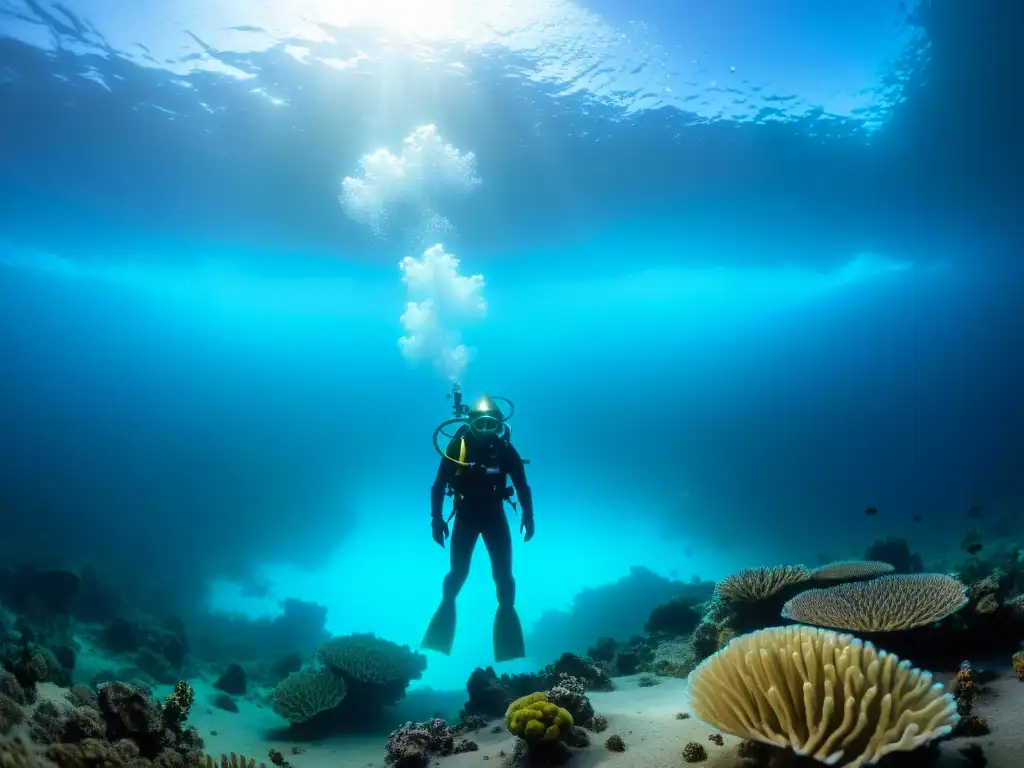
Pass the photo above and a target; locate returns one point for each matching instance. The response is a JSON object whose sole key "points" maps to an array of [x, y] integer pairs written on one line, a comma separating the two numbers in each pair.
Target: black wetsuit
{"points": [[479, 511]]}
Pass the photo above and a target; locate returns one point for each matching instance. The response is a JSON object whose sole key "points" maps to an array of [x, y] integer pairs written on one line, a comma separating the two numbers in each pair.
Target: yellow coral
{"points": [[1018, 664], [534, 719]]}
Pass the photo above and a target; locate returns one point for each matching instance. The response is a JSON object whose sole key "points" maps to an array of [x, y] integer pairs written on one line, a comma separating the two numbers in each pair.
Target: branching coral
{"points": [[306, 693], [755, 584]]}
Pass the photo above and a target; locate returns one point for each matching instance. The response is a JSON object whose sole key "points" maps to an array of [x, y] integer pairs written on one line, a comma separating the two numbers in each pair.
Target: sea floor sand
{"points": [[645, 718]]}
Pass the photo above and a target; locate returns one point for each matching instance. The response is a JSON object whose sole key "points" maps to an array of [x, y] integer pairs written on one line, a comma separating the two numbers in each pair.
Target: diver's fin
{"points": [[440, 634], [508, 635]]}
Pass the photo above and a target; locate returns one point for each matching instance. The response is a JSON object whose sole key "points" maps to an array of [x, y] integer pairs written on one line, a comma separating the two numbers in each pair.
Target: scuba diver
{"points": [[474, 471]]}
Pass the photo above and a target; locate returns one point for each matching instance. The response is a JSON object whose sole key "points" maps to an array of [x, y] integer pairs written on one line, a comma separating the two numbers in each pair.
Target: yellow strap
{"points": [[462, 456]]}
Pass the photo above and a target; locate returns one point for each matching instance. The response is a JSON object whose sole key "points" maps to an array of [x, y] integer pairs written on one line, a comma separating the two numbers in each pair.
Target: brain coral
{"points": [[754, 584], [306, 693], [847, 570], [822, 694], [534, 719], [885, 604]]}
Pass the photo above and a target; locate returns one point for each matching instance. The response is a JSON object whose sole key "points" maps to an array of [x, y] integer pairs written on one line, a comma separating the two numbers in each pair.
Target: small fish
{"points": [[870, 511], [974, 547], [917, 518], [974, 512]]}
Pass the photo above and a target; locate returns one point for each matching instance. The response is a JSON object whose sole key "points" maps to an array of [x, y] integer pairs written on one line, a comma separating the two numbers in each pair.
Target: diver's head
{"points": [[485, 419]]}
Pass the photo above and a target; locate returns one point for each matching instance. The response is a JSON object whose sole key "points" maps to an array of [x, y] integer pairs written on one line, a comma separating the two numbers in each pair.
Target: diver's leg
{"points": [[498, 539], [461, 546], [508, 632], [440, 634]]}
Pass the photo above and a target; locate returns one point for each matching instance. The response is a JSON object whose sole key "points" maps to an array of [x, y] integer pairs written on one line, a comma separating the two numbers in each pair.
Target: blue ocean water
{"points": [[745, 273]]}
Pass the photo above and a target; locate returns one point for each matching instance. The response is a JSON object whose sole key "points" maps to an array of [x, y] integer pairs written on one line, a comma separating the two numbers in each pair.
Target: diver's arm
{"points": [[517, 473], [444, 474]]}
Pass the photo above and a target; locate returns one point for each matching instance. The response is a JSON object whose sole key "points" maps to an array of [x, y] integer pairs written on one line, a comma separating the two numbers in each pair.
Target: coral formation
{"points": [[306, 693], [360, 674], [234, 760], [880, 605], [964, 692], [1017, 660], [848, 570], [490, 695], [614, 743], [755, 584], [416, 745], [799, 687], [370, 659], [694, 752], [569, 694], [533, 718]]}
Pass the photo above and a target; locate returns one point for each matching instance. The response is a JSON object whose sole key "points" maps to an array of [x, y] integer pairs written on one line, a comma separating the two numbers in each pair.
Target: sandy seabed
{"points": [[645, 718]]}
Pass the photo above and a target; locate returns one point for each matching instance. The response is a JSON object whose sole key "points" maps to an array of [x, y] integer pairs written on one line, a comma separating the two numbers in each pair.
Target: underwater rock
{"points": [[675, 617], [233, 681], [32, 592], [121, 636], [627, 662], [155, 666], [225, 702], [604, 649], [486, 694], [896, 552]]}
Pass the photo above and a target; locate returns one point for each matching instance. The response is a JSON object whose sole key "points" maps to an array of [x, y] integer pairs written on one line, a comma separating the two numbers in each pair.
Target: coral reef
{"points": [[617, 610], [543, 729], [490, 695], [781, 685], [614, 743], [533, 718], [694, 752], [755, 584], [570, 695], [306, 693], [1017, 662], [360, 674], [848, 570], [417, 745], [884, 604], [965, 691]]}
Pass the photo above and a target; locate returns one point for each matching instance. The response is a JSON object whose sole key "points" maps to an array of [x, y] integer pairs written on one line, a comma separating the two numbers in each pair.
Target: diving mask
{"points": [[485, 419]]}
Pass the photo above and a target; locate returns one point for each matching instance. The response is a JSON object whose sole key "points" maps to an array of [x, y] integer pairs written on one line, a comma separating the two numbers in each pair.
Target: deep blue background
{"points": [[239, 427]]}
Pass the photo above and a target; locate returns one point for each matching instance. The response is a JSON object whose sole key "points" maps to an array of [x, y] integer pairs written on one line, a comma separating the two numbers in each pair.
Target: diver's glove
{"points": [[439, 530], [526, 524]]}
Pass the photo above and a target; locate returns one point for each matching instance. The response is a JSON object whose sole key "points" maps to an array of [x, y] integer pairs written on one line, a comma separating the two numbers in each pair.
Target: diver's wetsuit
{"points": [[479, 512]]}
